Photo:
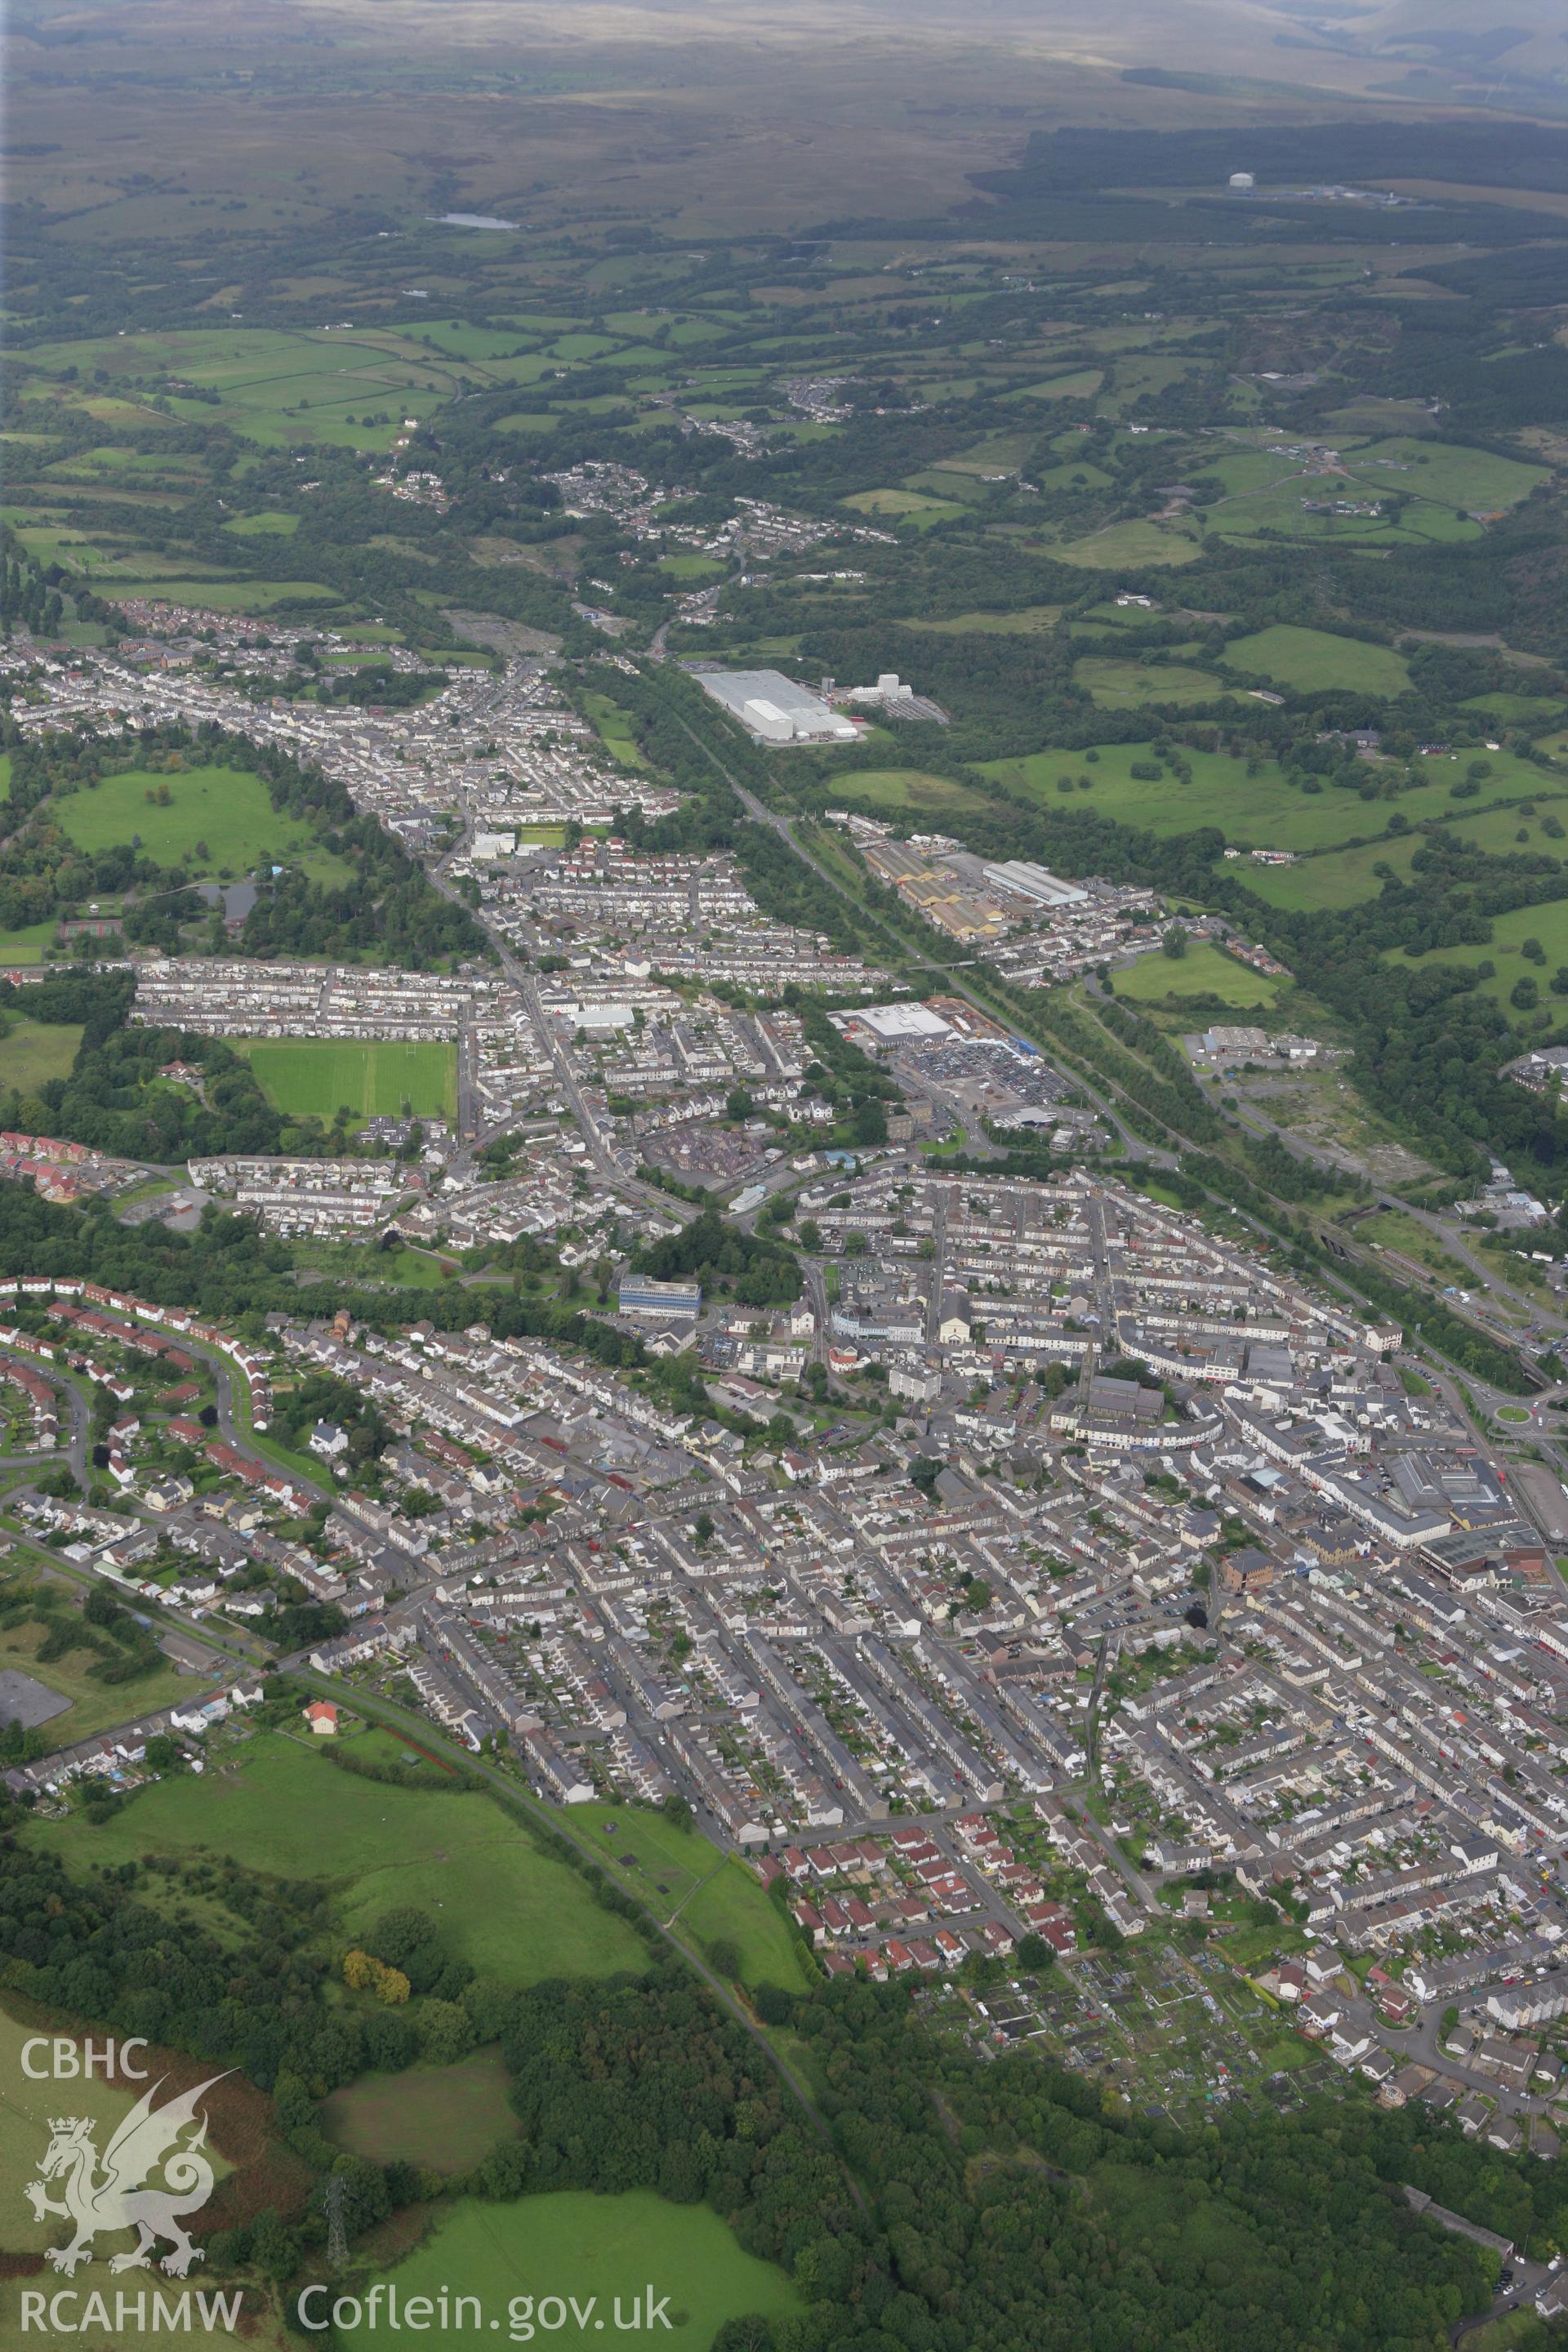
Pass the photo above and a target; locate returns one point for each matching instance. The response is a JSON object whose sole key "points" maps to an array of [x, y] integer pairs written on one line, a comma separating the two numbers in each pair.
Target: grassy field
{"points": [[94, 1706], [1121, 685], [904, 506], [578, 2245], [444, 2117], [1307, 661], [1129, 546], [1261, 811], [615, 730], [279, 1807], [218, 819], [1028, 621], [268, 524], [1341, 878], [305, 1077], [242, 595], [32, 1050], [1392, 1229], [676, 1872], [1204, 971], [27, 947], [908, 788], [1549, 924]]}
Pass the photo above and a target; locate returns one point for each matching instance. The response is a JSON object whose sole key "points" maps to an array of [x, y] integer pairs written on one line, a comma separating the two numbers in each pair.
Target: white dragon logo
{"points": [[145, 2139]]}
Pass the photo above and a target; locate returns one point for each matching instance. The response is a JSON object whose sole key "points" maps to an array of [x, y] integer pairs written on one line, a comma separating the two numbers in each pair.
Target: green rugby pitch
{"points": [[305, 1076]]}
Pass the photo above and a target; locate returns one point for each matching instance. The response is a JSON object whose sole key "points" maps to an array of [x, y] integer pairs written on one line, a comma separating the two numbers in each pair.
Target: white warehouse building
{"points": [[1029, 881], [775, 709]]}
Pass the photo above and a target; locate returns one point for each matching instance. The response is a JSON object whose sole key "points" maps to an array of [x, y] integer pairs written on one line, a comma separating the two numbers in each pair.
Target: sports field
{"points": [[306, 1076], [1204, 971], [604, 2248], [279, 1807], [215, 819]]}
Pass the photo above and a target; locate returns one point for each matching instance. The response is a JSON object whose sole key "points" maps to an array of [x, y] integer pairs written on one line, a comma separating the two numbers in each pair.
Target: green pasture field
{"points": [[1499, 830], [1471, 481], [277, 385], [270, 524], [245, 596], [1307, 660], [573, 2244], [1120, 685], [1517, 710], [280, 1808], [1549, 924], [904, 506], [1259, 811], [305, 1076], [442, 2118], [28, 945], [33, 1051], [1070, 477], [227, 808], [1341, 878], [1028, 621], [457, 339], [615, 730], [939, 481], [710, 1895], [1081, 384], [1129, 547], [999, 452], [909, 788], [1204, 971], [94, 1706]]}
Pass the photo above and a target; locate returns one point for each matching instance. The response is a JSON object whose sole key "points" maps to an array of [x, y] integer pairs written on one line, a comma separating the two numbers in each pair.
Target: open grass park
{"points": [[215, 820], [315, 1078], [602, 2250]]}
